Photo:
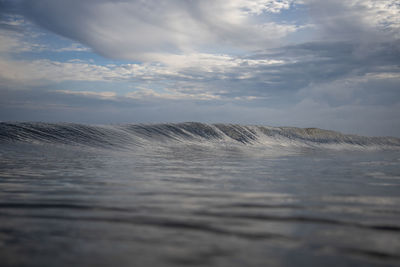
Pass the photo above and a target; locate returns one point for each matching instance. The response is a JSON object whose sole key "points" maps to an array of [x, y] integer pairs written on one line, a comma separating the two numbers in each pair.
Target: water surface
{"points": [[196, 194]]}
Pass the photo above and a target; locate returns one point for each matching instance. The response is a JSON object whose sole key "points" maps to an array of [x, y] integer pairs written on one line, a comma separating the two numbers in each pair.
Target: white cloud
{"points": [[15, 38], [150, 94], [9, 43], [259, 6], [195, 67], [384, 14], [43, 71], [101, 95], [215, 63], [144, 30], [13, 42], [74, 47]]}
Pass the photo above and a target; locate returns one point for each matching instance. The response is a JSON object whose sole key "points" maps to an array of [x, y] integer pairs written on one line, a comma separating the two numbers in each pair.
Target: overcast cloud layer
{"points": [[331, 64]]}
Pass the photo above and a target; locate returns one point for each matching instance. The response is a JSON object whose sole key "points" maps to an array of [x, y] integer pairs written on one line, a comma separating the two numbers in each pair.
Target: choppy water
{"points": [[196, 194]]}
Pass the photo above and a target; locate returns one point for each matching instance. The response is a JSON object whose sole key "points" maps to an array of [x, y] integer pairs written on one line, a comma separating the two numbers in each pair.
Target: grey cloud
{"points": [[363, 20], [9, 27], [307, 64]]}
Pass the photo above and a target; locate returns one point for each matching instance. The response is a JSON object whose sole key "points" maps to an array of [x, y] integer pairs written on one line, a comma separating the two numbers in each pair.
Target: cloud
{"points": [[260, 6], [43, 71], [144, 30], [149, 94], [278, 75], [75, 47], [14, 36], [102, 95], [356, 20]]}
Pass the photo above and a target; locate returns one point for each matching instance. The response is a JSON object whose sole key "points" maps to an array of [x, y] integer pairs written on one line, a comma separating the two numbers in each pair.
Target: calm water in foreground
{"points": [[187, 204]]}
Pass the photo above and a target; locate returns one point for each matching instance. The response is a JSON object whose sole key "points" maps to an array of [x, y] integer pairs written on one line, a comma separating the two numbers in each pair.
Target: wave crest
{"points": [[139, 134]]}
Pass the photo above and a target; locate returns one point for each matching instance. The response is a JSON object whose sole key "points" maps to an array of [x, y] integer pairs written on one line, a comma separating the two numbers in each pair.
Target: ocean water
{"points": [[196, 194]]}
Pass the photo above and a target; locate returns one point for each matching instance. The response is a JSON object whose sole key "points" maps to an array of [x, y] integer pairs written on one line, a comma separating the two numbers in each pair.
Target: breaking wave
{"points": [[190, 132]]}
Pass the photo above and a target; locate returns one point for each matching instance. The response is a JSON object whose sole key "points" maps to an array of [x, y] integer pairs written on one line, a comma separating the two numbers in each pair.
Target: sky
{"points": [[331, 64]]}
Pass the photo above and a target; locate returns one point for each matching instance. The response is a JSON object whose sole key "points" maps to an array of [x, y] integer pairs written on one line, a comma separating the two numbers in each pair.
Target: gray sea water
{"points": [[196, 194]]}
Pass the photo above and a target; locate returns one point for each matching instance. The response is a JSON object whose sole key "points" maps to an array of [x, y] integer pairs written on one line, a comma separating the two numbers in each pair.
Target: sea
{"points": [[195, 194]]}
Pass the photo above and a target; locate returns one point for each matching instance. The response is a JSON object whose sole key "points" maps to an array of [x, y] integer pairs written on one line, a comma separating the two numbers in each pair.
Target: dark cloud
{"points": [[10, 7]]}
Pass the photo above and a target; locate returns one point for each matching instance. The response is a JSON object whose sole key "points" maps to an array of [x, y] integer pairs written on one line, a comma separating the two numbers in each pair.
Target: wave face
{"points": [[190, 132]]}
